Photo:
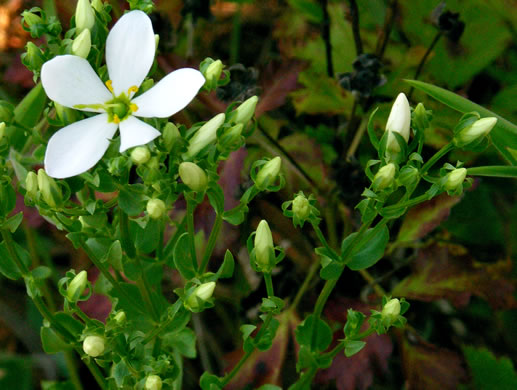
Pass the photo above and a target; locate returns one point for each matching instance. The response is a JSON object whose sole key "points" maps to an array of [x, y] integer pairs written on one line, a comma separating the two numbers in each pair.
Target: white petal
{"points": [[134, 132], [170, 95], [130, 51], [70, 80], [76, 148]]}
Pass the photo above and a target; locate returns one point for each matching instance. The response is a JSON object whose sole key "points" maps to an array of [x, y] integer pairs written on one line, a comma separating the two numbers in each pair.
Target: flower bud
{"points": [[140, 155], [399, 121], [170, 135], [49, 189], [245, 111], [67, 115], [31, 184], [84, 15], [213, 72], [391, 309], [97, 5], [31, 18], [455, 179], [120, 317], [156, 41], [408, 176], [193, 176], [202, 293], [77, 286], [384, 177], [33, 58], [268, 173], [2, 130], [479, 129], [94, 345], [232, 136], [156, 208], [153, 382], [264, 250], [205, 135], [301, 207], [421, 117], [82, 44]]}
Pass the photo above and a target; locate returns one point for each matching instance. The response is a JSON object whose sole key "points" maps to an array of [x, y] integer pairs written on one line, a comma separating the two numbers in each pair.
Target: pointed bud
{"points": [[264, 249], [33, 58], [31, 18], [120, 317], [206, 135], [84, 15], [399, 121], [268, 173], [98, 5], [94, 345], [153, 382], [31, 184], [170, 135], [140, 155], [193, 176], [67, 115], [213, 72], [49, 189], [455, 179], [384, 177], [82, 44], [421, 117], [301, 207], [408, 176], [77, 286], [202, 293], [245, 111], [391, 309], [2, 130], [479, 129], [232, 137], [156, 208]]}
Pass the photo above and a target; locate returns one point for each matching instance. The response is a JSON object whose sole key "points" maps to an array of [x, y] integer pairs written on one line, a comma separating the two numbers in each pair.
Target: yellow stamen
{"points": [[134, 89], [133, 107], [116, 119], [109, 85]]}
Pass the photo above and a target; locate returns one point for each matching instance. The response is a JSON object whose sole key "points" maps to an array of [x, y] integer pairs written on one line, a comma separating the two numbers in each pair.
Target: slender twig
{"points": [[211, 242], [325, 33], [382, 43], [354, 13], [191, 206], [424, 59]]}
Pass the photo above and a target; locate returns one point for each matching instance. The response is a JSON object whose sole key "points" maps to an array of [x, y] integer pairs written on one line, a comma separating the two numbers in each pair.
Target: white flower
{"points": [[71, 81]]}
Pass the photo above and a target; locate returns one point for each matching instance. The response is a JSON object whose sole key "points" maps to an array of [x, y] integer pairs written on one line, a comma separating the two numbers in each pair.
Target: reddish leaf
{"points": [[358, 371], [427, 366], [424, 218], [262, 367], [447, 271]]}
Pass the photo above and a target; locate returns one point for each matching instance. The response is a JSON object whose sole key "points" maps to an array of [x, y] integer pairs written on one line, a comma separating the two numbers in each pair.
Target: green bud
{"points": [[156, 208], [153, 382], [49, 189], [84, 15], [94, 345], [232, 136], [301, 207], [120, 317], [170, 135], [6, 111], [193, 176], [156, 41], [140, 155], [408, 176], [421, 117], [77, 286], [31, 18], [82, 44], [455, 179], [384, 177], [399, 121], [391, 309], [245, 111], [202, 293], [213, 72], [264, 249], [31, 184], [2, 130], [206, 135], [479, 129], [268, 173], [67, 115], [33, 58], [98, 5]]}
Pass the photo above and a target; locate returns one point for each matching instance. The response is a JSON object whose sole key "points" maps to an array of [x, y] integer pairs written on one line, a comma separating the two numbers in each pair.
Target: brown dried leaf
{"points": [[447, 271]]}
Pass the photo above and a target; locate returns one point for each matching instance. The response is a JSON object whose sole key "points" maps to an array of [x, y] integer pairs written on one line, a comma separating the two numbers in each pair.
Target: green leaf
{"points": [[29, 110], [226, 269], [353, 346], [504, 134], [323, 333], [114, 255], [368, 250], [41, 272], [120, 372], [332, 270], [236, 215], [147, 239], [131, 200], [184, 341], [210, 382], [493, 171], [13, 222], [53, 385], [16, 372], [488, 372], [99, 246], [182, 257], [7, 265], [269, 387], [310, 9], [52, 342]]}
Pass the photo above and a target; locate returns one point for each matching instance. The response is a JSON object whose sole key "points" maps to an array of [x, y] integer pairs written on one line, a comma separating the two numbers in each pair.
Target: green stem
{"points": [[236, 36], [323, 241], [172, 241], [159, 329], [409, 203], [269, 284], [228, 377], [191, 206], [211, 242], [72, 370], [159, 249], [305, 285], [438, 155], [125, 238], [145, 291]]}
